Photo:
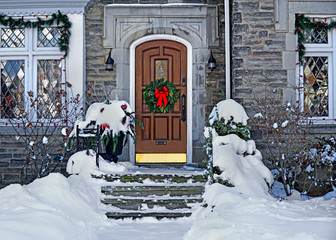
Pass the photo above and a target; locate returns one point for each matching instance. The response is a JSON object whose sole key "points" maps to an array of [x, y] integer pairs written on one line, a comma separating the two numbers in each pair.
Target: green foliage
{"points": [[231, 127], [302, 23], [61, 21], [151, 100]]}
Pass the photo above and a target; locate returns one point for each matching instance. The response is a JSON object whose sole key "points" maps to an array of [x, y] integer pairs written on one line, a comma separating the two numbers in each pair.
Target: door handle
{"points": [[183, 108]]}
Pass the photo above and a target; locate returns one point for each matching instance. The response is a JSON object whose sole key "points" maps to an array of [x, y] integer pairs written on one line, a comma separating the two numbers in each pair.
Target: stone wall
{"points": [[256, 50], [264, 56]]}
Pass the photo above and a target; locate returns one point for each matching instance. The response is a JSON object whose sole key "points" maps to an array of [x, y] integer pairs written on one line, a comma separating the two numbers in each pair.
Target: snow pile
{"points": [[85, 165], [113, 116], [233, 215], [49, 208], [239, 162], [228, 109]]}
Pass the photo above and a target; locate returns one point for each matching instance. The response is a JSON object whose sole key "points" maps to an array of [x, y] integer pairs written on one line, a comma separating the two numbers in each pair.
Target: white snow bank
{"points": [[50, 208], [232, 215], [110, 115], [248, 173], [85, 165], [228, 109]]}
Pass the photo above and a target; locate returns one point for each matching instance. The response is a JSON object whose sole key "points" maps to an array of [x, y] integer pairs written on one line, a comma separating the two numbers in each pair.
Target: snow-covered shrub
{"points": [[113, 117], [318, 174], [283, 128], [42, 127], [233, 159]]}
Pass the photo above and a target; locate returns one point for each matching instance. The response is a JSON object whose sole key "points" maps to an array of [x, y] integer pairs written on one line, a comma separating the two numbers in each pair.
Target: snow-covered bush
{"points": [[233, 159], [318, 174], [283, 128], [42, 127], [112, 117]]}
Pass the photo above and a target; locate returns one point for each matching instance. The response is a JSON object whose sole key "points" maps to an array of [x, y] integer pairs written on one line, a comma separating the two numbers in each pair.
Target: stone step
{"points": [[158, 194], [136, 214], [160, 178], [153, 190], [143, 204]]}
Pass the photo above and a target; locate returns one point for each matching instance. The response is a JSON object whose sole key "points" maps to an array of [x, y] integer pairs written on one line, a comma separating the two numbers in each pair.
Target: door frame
{"points": [[189, 85]]}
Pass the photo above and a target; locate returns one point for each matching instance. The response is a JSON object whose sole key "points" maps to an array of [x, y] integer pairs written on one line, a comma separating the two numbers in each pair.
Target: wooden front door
{"points": [[164, 137]]}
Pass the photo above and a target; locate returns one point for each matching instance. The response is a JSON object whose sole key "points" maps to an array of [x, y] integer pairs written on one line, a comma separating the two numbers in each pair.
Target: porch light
{"points": [[211, 62], [109, 62]]}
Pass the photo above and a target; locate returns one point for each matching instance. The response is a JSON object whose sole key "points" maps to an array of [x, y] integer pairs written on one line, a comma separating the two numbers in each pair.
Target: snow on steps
{"points": [[140, 195]]}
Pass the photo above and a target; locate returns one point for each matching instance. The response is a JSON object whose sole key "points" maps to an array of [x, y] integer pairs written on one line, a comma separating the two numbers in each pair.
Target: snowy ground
{"points": [[58, 208]]}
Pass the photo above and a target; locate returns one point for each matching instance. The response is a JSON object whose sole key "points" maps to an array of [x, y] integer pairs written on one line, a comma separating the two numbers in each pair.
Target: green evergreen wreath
{"points": [[160, 96]]}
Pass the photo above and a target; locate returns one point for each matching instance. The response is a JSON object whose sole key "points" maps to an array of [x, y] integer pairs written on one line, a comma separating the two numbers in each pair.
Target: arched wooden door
{"points": [[164, 138]]}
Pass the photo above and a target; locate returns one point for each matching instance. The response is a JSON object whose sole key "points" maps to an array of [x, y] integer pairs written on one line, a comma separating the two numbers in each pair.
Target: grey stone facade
{"points": [[264, 51]]}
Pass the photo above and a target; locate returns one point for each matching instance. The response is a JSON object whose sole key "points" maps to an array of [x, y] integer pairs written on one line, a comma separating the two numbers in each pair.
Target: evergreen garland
{"points": [[302, 23], [61, 21]]}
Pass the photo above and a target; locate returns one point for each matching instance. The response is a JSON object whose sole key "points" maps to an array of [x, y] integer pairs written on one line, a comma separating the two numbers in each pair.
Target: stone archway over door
{"points": [[164, 138]]}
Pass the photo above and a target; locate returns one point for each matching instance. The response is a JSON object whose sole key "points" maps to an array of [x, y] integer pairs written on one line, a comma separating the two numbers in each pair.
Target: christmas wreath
{"points": [[160, 96]]}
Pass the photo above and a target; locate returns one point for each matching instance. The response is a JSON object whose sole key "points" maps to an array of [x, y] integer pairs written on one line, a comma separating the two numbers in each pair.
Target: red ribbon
{"points": [[162, 96]]}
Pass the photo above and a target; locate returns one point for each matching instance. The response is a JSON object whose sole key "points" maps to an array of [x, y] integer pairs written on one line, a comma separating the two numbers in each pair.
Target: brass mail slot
{"points": [[161, 143]]}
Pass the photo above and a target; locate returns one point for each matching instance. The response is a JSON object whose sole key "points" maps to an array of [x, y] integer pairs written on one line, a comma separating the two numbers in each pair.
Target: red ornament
{"points": [[123, 107], [162, 96], [104, 126]]}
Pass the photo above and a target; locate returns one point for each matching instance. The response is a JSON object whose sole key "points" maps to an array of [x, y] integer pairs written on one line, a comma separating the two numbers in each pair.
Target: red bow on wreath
{"points": [[162, 96]]}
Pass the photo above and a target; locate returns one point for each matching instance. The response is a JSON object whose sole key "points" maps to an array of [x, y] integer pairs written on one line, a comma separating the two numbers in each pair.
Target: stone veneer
{"points": [[263, 51]]}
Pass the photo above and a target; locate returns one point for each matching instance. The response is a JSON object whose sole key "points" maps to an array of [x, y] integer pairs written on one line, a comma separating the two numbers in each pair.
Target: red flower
{"points": [[124, 106]]}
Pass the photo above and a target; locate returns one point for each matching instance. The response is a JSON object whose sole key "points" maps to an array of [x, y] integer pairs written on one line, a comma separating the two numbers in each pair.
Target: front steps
{"points": [[159, 195]]}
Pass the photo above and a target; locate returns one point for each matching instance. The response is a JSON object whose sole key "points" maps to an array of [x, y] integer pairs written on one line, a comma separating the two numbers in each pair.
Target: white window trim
{"points": [[328, 50], [31, 54]]}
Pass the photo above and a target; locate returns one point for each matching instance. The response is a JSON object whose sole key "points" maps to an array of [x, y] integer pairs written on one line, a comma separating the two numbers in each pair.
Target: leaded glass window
{"points": [[161, 69], [49, 78], [12, 87], [316, 36], [48, 37], [315, 80], [12, 38]]}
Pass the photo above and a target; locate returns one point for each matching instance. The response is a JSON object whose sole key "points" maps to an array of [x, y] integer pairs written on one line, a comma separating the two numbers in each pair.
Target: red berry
{"points": [[102, 110], [124, 106]]}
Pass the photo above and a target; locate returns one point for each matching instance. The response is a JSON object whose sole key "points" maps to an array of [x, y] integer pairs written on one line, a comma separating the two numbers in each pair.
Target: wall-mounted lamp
{"points": [[109, 62], [211, 62]]}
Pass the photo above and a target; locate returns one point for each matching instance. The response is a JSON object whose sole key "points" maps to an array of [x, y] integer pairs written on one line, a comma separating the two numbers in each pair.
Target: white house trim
{"points": [[189, 84]]}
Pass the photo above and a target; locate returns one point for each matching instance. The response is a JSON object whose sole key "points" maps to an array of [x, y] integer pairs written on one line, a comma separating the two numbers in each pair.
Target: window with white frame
{"points": [[317, 74], [31, 62]]}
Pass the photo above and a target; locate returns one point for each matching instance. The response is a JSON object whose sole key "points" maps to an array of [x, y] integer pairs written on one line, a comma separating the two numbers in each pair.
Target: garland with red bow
{"points": [[301, 24], [160, 96]]}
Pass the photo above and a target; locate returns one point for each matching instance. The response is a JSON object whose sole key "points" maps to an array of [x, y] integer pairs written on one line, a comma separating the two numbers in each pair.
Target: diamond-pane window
{"points": [[48, 37], [12, 38], [12, 87], [316, 36], [315, 81], [49, 77]]}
